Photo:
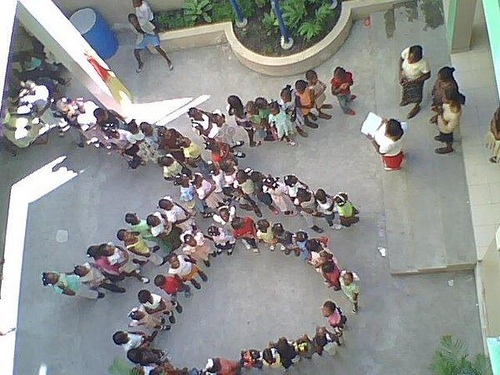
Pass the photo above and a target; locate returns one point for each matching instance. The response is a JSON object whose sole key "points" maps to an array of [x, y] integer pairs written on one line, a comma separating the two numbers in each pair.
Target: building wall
{"points": [[114, 11]]}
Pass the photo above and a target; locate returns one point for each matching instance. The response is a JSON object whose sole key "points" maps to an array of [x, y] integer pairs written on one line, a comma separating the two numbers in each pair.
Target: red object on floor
{"points": [[368, 22]]}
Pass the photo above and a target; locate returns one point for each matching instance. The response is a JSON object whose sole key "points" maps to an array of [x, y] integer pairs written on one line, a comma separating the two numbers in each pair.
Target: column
{"points": [[459, 24]]}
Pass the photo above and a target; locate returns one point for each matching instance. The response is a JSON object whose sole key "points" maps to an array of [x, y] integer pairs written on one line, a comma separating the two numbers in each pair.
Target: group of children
{"points": [[214, 189]]}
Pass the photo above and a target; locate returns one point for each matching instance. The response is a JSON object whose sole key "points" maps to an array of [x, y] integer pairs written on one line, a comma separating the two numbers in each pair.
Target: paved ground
{"points": [[249, 299]]}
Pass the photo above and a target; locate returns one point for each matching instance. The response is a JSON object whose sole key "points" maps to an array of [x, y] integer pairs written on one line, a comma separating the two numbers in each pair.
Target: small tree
{"points": [[452, 359]]}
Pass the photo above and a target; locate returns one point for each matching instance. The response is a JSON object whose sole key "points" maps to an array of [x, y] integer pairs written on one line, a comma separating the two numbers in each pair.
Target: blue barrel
{"points": [[96, 31]]}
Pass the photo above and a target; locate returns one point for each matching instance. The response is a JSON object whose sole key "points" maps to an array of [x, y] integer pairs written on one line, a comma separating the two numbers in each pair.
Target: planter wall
{"points": [[277, 66]]}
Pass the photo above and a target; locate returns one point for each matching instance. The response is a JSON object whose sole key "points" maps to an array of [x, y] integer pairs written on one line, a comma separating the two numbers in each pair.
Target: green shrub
{"points": [[270, 22], [197, 10], [294, 12], [261, 3], [322, 14], [222, 11], [310, 29], [452, 358], [248, 7]]}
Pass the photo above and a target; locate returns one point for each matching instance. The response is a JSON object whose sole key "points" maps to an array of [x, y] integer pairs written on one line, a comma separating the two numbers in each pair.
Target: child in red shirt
{"points": [[172, 285], [244, 229], [341, 87]]}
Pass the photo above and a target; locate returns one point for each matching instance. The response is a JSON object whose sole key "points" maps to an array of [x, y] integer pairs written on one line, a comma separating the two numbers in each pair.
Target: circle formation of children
{"points": [[220, 191]]}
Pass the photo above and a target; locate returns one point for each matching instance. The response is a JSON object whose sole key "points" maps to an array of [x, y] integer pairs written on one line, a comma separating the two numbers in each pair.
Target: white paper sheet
{"points": [[371, 124]]}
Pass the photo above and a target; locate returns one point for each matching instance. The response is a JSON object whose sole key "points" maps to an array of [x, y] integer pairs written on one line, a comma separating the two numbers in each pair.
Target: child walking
{"points": [[289, 105], [235, 108], [305, 102], [341, 88], [183, 267], [335, 317], [278, 192], [196, 247], [318, 88], [244, 229], [223, 240]]}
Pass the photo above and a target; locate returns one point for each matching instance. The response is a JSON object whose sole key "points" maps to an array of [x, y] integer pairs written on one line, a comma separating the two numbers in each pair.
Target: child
{"points": [[176, 214], [257, 122], [293, 184], [341, 88], [172, 167], [318, 88], [280, 120], [141, 318], [188, 195], [286, 350], [305, 102], [166, 235], [258, 181], [330, 269], [92, 277], [307, 207], [244, 229], [235, 108], [263, 110], [206, 192], [172, 285], [184, 268], [288, 104], [225, 216], [346, 210], [325, 340], [139, 226], [300, 239], [350, 289], [196, 247], [222, 366], [138, 248], [153, 304], [278, 192], [335, 317], [133, 339], [192, 153], [217, 176], [222, 238], [244, 189], [326, 208], [271, 358], [304, 347], [251, 358], [285, 239], [265, 233]]}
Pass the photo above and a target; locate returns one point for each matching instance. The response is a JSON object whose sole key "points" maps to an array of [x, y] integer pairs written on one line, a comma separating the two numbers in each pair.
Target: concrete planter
{"points": [[220, 33]]}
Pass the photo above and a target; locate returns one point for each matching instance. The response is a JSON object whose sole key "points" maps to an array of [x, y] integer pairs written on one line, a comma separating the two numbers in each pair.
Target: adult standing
{"points": [[493, 136], [444, 80], [388, 141], [448, 120], [413, 72]]}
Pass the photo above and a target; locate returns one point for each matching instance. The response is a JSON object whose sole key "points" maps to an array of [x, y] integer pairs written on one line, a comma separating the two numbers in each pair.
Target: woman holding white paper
{"points": [[388, 141]]}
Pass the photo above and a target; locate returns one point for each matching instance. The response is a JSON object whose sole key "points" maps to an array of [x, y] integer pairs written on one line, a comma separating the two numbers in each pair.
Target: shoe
{"points": [[274, 210], [317, 229], [282, 248], [258, 213], [207, 263], [289, 213], [240, 154], [164, 261], [171, 318], [271, 247], [312, 125], [438, 138], [187, 294], [336, 226], [403, 103], [493, 159], [230, 252], [350, 113], [313, 116], [247, 246], [325, 116], [139, 69], [170, 65], [213, 254], [353, 97], [255, 250], [144, 280], [196, 284], [206, 215], [219, 251], [433, 119], [203, 276], [100, 295], [292, 143], [301, 132], [178, 308], [413, 112], [255, 144], [81, 145], [443, 150], [165, 327], [391, 169], [239, 143]]}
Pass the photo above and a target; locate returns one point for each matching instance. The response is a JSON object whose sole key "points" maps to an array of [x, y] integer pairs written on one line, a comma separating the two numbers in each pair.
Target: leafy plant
{"points": [[294, 12], [452, 358], [261, 3], [270, 22], [222, 11], [248, 7], [196, 10], [322, 14], [310, 29]]}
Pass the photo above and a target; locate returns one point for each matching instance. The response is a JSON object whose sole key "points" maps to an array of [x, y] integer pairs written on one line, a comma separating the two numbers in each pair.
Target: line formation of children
{"points": [[215, 191]]}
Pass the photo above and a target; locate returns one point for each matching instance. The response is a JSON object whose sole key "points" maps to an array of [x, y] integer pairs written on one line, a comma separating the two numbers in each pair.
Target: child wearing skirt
{"points": [[223, 239], [183, 267], [206, 192], [278, 192]]}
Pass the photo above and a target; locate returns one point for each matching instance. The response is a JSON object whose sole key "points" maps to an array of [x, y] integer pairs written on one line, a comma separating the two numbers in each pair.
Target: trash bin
{"points": [[96, 31]]}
